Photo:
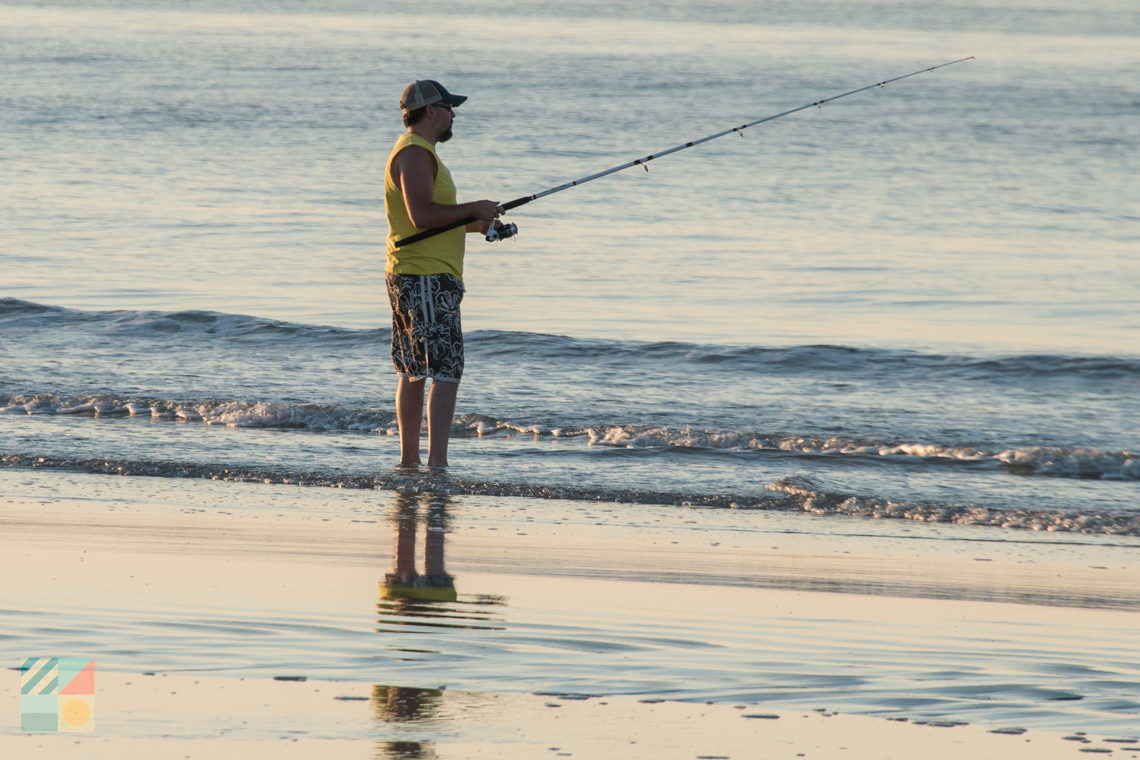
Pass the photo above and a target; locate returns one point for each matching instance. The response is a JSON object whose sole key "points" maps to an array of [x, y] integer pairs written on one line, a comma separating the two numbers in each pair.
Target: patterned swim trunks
{"points": [[427, 338]]}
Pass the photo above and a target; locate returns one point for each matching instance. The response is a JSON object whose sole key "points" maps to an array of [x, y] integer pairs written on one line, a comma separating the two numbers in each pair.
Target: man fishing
{"points": [[425, 278], [425, 253]]}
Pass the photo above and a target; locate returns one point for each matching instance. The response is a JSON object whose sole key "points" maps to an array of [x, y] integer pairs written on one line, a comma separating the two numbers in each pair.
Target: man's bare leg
{"points": [[409, 417], [441, 412]]}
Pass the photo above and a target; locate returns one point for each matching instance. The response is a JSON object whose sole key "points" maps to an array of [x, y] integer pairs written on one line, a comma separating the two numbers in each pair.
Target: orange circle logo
{"points": [[76, 712]]}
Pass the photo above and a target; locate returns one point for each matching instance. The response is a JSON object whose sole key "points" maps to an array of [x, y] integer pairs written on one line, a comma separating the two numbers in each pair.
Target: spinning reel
{"points": [[501, 231]]}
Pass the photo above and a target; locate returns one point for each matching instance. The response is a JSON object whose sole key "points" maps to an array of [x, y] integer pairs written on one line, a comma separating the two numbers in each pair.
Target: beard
{"points": [[446, 135]]}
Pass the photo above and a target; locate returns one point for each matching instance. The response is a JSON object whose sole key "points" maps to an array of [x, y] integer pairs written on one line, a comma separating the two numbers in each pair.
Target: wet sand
{"points": [[511, 628], [198, 717]]}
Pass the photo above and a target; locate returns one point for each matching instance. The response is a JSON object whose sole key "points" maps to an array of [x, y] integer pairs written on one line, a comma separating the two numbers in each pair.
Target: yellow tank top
{"points": [[440, 254]]}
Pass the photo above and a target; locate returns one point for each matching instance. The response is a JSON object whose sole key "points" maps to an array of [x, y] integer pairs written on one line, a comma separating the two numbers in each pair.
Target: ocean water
{"points": [[915, 303]]}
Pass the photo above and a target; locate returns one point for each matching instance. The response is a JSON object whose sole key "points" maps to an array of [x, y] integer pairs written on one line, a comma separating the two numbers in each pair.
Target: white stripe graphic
{"points": [[40, 676]]}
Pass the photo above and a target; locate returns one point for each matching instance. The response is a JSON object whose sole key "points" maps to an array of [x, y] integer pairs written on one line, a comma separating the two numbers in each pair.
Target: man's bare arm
{"points": [[413, 170]]}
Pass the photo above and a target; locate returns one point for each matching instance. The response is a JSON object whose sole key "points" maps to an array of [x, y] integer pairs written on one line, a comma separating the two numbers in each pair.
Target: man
{"points": [[425, 279]]}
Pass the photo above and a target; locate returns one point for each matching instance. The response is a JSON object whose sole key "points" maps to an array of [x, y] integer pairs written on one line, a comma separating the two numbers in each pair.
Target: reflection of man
{"points": [[405, 582], [425, 279], [395, 704], [398, 704], [422, 602]]}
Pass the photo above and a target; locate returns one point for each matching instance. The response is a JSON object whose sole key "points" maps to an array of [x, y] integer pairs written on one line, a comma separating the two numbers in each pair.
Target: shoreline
{"points": [[793, 495], [649, 542]]}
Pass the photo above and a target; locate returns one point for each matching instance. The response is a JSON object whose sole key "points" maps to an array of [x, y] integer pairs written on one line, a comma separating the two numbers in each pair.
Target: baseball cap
{"points": [[424, 92]]}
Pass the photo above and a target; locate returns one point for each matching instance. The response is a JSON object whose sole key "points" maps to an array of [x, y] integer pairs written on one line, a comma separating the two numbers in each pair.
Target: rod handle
{"points": [[432, 232]]}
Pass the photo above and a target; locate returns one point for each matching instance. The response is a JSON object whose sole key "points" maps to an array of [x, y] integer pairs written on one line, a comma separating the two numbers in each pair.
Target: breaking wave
{"points": [[1053, 461], [251, 414]]}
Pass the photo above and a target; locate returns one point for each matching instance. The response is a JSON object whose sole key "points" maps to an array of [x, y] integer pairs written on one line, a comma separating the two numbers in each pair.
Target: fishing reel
{"points": [[501, 231]]}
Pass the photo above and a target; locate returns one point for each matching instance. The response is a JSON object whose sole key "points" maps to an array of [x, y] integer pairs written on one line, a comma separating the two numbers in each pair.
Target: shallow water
{"points": [[1042, 441]]}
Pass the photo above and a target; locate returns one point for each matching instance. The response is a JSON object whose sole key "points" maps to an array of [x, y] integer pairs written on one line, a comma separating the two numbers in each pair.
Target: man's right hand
{"points": [[486, 211]]}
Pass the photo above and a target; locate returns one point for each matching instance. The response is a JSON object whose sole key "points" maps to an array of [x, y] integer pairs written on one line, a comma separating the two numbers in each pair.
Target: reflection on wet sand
{"points": [[399, 704], [411, 599], [425, 601], [405, 582]]}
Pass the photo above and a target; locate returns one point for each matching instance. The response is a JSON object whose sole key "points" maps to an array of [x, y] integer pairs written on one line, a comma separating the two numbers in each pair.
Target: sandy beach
{"points": [[239, 619]]}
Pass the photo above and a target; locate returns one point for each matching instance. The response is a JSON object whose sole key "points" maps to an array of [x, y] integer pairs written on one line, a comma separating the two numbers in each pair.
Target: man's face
{"points": [[446, 116]]}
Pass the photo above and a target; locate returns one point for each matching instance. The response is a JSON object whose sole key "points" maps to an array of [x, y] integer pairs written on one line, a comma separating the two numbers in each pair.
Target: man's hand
{"points": [[486, 211], [482, 223]]}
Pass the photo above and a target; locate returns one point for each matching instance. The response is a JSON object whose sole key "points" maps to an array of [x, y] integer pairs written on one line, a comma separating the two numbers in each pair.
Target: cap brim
{"points": [[454, 100]]}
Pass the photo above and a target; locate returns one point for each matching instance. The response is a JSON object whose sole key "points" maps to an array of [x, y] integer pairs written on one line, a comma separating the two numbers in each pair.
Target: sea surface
{"points": [[916, 302]]}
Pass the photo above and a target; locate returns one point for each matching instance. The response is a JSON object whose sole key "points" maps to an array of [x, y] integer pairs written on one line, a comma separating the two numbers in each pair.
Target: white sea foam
{"points": [[1072, 462], [815, 498], [1055, 461], [1082, 462]]}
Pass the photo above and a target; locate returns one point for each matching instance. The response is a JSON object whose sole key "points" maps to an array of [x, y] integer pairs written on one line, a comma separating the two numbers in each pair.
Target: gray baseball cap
{"points": [[424, 92]]}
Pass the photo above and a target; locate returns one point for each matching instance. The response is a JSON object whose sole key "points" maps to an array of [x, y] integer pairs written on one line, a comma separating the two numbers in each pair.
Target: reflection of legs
{"points": [[435, 534], [441, 412], [404, 562], [434, 537], [409, 416]]}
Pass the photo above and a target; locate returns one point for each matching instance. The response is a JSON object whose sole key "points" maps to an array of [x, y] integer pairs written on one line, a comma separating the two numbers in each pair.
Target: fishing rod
{"points": [[499, 231]]}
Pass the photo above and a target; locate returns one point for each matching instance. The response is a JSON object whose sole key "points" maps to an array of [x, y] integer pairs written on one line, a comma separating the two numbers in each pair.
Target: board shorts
{"points": [[427, 338]]}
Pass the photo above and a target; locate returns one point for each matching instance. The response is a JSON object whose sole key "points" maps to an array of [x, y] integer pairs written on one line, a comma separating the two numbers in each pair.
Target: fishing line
{"points": [[499, 231]]}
